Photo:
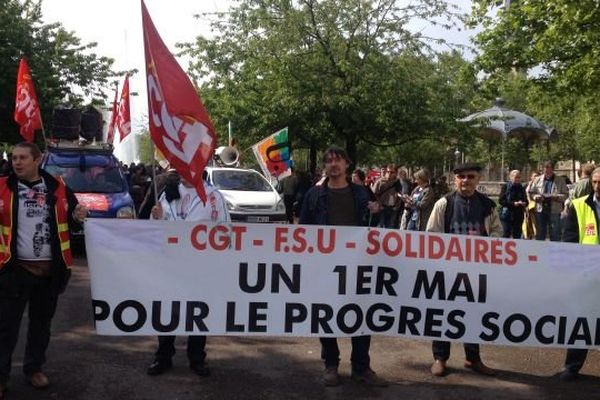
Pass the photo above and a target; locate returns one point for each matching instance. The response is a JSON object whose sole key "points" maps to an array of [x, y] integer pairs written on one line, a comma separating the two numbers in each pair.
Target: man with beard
{"points": [[337, 201]]}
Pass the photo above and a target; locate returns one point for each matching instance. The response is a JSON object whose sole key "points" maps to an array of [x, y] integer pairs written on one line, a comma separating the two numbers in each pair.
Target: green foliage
{"points": [[344, 71], [545, 56], [560, 37], [146, 148], [63, 69]]}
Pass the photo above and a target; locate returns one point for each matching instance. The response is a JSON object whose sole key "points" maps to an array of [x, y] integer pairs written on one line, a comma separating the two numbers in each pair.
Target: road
{"points": [[82, 365]]}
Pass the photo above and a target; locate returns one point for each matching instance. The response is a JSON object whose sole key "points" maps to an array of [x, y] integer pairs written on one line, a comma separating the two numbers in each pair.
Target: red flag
{"points": [[124, 116], [113, 119], [27, 109], [179, 124]]}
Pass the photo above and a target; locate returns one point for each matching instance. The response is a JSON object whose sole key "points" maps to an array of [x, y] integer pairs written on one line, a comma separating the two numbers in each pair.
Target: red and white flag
{"points": [[179, 124], [124, 117], [27, 109], [113, 118]]}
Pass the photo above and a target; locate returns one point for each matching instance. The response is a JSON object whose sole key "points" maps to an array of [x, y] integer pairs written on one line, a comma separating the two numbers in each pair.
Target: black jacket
{"points": [[51, 184]]}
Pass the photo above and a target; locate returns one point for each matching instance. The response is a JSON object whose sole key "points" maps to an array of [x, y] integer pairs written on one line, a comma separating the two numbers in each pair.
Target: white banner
{"points": [[159, 277]]}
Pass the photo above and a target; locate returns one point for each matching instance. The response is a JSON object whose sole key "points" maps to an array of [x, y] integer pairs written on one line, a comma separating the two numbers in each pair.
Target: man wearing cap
{"points": [[464, 211], [581, 226]]}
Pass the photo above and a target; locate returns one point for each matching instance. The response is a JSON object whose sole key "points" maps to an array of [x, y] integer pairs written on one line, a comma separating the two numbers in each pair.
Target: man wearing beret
{"points": [[464, 211]]}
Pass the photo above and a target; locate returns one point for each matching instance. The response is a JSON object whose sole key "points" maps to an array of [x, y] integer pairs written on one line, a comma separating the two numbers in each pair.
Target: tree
{"points": [[63, 69], [560, 38], [344, 71]]}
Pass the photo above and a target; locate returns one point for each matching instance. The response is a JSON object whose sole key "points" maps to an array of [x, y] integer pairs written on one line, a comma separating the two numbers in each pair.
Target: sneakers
{"points": [[200, 369], [38, 380], [158, 367], [480, 368], [568, 375], [369, 378], [331, 377], [438, 368]]}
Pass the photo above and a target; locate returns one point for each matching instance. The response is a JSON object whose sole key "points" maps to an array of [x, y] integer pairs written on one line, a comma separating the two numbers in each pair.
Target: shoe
{"points": [[438, 368], [39, 380], [331, 377], [200, 369], [158, 367], [568, 375], [480, 368], [369, 378]]}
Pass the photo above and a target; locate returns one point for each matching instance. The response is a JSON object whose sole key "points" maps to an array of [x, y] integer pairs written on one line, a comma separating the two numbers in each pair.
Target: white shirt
{"points": [[191, 208], [33, 233]]}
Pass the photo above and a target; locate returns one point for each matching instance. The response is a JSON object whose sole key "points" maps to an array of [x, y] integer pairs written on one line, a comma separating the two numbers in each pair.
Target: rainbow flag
{"points": [[275, 155]]}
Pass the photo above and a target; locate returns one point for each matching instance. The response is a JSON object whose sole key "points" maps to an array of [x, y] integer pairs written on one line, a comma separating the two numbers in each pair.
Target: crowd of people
{"points": [[34, 273]]}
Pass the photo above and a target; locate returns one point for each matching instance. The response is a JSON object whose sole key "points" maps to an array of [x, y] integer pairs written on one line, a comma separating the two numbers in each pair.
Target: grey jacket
{"points": [[559, 192]]}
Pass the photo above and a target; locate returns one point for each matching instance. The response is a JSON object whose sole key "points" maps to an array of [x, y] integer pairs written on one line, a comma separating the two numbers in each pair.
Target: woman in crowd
{"points": [[529, 221], [513, 201], [418, 206]]}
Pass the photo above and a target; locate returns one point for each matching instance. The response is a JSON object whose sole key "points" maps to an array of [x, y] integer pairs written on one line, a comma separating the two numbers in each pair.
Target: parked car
{"points": [[249, 196], [93, 174]]}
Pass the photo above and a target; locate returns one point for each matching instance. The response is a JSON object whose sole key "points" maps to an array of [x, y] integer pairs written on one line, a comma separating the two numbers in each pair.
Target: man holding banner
{"points": [[340, 202], [463, 212], [581, 227], [180, 202]]}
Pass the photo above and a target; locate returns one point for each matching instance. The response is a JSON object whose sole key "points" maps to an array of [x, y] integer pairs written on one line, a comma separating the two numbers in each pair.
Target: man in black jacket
{"points": [[340, 202], [36, 211], [582, 227]]}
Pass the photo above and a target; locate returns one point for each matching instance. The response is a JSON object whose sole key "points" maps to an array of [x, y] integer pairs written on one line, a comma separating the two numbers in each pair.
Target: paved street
{"points": [[85, 366]]}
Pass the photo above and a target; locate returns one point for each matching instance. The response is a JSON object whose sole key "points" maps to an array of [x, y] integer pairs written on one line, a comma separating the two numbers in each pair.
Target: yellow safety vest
{"points": [[586, 220]]}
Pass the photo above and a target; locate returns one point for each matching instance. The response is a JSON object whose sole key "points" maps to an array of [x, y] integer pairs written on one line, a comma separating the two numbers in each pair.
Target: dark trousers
{"points": [[288, 201], [575, 359], [514, 226], [330, 353], [195, 349], [18, 287], [388, 218], [441, 351], [546, 222]]}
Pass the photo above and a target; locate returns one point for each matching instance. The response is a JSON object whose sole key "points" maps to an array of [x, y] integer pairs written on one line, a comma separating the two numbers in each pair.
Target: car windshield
{"points": [[95, 179], [250, 181]]}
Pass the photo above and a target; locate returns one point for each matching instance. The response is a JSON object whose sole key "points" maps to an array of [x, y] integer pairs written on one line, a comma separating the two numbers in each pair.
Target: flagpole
{"points": [[43, 130], [154, 184]]}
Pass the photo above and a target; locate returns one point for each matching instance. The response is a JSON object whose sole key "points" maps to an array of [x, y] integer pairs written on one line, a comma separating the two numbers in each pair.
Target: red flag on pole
{"points": [[179, 124], [124, 116], [113, 118], [27, 109]]}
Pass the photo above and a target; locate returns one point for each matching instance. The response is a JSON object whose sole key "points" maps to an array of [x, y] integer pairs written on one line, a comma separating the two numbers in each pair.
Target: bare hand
{"points": [[157, 212], [374, 207], [80, 212]]}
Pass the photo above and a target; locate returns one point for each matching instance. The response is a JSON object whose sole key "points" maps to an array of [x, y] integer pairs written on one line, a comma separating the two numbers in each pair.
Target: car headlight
{"points": [[230, 205], [126, 212], [280, 206]]}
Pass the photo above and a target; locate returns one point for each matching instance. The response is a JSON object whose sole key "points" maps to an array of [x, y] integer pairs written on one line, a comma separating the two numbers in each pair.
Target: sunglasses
{"points": [[466, 176]]}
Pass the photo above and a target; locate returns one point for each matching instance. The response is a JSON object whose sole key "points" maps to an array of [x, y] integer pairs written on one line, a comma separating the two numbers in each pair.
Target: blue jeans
{"points": [[546, 222]]}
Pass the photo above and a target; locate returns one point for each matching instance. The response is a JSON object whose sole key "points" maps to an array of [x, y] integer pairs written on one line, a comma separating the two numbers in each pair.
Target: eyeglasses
{"points": [[466, 176]]}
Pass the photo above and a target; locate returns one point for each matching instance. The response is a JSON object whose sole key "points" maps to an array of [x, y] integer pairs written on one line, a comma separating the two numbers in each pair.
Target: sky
{"points": [[116, 26]]}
